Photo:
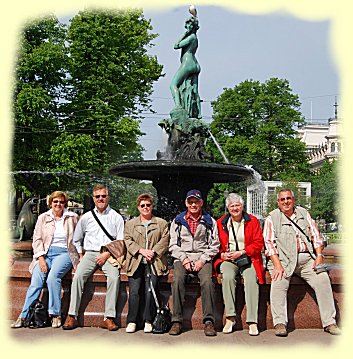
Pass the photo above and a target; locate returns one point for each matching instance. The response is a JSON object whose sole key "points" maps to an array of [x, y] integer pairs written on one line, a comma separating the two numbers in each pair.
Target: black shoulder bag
{"points": [[163, 319], [244, 260], [37, 316]]}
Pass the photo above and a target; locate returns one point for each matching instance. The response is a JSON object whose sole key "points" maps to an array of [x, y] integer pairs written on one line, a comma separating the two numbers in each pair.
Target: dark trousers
{"points": [[135, 282], [207, 291]]}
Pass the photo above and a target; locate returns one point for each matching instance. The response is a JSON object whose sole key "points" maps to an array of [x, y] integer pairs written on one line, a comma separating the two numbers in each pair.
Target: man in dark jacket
{"points": [[193, 243]]}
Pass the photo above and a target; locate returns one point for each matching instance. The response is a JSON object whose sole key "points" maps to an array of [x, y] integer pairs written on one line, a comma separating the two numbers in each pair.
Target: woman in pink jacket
{"points": [[53, 256]]}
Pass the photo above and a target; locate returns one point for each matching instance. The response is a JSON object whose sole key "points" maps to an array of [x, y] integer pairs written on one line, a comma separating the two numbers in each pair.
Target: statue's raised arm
{"points": [[184, 86]]}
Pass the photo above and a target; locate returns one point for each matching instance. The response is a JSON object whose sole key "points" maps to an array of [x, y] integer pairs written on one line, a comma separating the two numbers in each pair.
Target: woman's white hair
{"points": [[233, 197]]}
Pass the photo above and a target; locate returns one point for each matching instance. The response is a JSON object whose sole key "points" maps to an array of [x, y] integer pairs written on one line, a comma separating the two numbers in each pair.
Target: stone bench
{"points": [[302, 307]]}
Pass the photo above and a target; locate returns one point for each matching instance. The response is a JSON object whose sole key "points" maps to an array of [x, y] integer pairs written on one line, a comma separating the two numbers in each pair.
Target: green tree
{"points": [[79, 93], [325, 192], [255, 124], [111, 78], [39, 80]]}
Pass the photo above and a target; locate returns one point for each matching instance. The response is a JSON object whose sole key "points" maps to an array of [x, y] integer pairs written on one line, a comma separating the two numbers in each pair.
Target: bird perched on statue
{"points": [[192, 10]]}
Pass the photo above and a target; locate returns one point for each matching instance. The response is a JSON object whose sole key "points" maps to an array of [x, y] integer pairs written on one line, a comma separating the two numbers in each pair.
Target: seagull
{"points": [[192, 10]]}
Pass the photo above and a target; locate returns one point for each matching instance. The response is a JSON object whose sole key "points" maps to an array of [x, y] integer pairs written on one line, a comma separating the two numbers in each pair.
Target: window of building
{"points": [[333, 147]]}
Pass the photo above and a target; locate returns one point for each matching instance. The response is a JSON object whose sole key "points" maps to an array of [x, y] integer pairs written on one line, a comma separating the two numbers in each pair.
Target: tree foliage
{"points": [[255, 124], [79, 93], [111, 78], [40, 75], [325, 192]]}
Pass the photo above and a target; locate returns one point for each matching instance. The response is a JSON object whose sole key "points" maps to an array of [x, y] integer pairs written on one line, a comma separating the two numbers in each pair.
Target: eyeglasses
{"points": [[285, 198], [57, 201], [145, 205], [100, 195]]}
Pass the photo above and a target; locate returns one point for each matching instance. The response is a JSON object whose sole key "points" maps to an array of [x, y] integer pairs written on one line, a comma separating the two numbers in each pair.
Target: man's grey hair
{"points": [[285, 190], [233, 197]]}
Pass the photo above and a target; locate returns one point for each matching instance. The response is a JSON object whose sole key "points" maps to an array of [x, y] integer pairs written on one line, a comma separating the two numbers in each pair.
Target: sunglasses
{"points": [[145, 205], [100, 195], [285, 198], [57, 201]]}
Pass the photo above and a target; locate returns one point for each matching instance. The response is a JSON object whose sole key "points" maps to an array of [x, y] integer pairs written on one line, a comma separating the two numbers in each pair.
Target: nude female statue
{"points": [[184, 86]]}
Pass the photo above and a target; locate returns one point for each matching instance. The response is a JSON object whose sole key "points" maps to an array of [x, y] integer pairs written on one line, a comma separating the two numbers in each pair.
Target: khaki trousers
{"points": [[85, 268], [319, 282], [251, 289]]}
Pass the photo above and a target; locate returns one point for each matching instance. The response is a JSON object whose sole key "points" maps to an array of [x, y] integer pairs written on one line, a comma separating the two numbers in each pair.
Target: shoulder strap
{"points": [[235, 237], [101, 225], [298, 228], [151, 286]]}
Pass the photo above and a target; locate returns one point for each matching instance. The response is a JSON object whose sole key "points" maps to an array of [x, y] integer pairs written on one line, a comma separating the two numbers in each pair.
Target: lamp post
{"points": [[226, 193]]}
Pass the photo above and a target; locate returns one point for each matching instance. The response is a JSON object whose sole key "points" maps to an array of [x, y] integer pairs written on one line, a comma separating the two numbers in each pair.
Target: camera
{"points": [[320, 268]]}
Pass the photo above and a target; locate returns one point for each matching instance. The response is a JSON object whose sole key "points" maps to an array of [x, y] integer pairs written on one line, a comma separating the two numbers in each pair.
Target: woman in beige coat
{"points": [[53, 256], [146, 238]]}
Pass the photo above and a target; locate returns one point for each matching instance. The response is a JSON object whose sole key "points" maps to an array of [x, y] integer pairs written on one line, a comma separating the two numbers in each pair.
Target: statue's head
{"points": [[192, 23]]}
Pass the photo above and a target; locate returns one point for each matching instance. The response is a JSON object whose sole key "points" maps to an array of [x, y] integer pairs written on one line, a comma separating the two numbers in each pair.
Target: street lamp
{"points": [[226, 193]]}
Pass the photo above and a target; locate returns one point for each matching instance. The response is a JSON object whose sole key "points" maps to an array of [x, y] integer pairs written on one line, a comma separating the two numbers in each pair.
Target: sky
{"points": [[234, 47]]}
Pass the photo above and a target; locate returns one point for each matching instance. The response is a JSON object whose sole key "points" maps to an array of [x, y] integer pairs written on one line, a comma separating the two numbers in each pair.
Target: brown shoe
{"points": [[70, 323], [332, 329], [209, 329], [280, 330], [175, 329], [109, 324]]}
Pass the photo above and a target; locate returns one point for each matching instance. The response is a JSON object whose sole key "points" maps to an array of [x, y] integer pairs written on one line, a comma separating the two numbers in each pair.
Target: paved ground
{"points": [[314, 337]]}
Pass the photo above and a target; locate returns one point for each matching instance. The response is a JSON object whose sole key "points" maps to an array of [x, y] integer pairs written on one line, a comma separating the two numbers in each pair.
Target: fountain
{"points": [[185, 164]]}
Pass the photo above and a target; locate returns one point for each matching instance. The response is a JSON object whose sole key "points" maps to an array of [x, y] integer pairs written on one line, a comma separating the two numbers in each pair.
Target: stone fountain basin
{"points": [[154, 169], [173, 179]]}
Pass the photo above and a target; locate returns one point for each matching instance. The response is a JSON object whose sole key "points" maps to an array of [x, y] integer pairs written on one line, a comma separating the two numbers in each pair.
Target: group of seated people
{"points": [[199, 245]]}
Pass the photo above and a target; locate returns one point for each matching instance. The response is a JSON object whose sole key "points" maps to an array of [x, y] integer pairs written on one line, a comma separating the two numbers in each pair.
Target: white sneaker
{"points": [[253, 329], [229, 326], [148, 327], [131, 328], [18, 323], [56, 322]]}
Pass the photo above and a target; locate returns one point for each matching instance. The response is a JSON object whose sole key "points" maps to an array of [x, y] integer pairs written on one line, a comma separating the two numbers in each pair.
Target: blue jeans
{"points": [[59, 263]]}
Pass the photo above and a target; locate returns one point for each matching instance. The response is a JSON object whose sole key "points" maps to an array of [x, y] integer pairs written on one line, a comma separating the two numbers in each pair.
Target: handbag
{"points": [[37, 316], [163, 319], [244, 260]]}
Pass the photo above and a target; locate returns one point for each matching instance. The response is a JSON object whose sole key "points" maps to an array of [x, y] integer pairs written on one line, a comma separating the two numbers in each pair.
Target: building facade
{"points": [[322, 140], [258, 201]]}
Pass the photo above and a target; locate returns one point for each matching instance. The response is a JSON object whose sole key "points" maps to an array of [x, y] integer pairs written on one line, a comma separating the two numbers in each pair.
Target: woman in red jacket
{"points": [[241, 240]]}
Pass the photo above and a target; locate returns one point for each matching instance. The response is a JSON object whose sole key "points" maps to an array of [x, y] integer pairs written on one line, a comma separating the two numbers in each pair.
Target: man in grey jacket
{"points": [[193, 243], [294, 245]]}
